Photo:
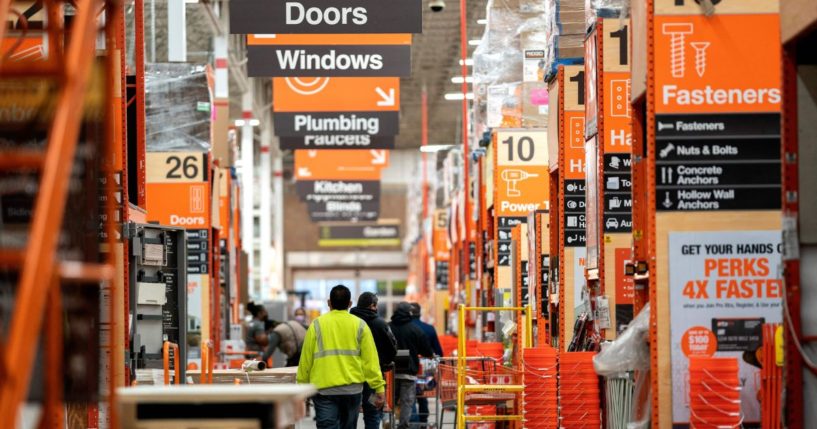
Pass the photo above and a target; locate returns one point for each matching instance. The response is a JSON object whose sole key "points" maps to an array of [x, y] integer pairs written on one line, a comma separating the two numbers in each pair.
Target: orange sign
{"points": [[574, 145], [616, 86], [625, 285], [177, 189], [329, 39], [336, 94], [717, 64], [340, 164], [440, 235], [521, 172]]}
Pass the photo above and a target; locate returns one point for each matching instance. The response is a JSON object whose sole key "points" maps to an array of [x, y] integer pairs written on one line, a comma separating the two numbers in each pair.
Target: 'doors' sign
{"points": [[321, 17]]}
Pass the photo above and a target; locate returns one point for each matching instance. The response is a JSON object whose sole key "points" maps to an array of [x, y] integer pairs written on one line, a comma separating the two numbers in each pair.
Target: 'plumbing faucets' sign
{"points": [[321, 17]]}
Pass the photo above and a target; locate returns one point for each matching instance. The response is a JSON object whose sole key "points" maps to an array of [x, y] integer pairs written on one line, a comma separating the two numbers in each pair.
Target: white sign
{"points": [[723, 287]]}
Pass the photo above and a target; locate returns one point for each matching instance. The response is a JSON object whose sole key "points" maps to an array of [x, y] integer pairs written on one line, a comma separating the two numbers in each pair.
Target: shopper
{"points": [[411, 338], [287, 337], [338, 357], [300, 316], [257, 339], [434, 341], [386, 350]]}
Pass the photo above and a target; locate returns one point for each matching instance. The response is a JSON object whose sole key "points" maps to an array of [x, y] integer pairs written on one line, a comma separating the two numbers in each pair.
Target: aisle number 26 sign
{"points": [[521, 173], [169, 175]]}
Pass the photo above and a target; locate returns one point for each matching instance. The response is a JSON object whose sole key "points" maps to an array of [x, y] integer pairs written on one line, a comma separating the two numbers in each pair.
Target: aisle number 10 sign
{"points": [[521, 171]]}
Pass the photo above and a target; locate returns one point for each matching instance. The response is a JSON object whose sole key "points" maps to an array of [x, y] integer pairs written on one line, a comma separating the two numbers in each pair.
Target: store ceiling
{"points": [[435, 60]]}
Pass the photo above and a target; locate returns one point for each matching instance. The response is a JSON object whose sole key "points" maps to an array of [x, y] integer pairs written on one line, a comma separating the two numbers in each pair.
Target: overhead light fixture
{"points": [[459, 79], [475, 42], [432, 148], [454, 96], [468, 62], [251, 122], [483, 21]]}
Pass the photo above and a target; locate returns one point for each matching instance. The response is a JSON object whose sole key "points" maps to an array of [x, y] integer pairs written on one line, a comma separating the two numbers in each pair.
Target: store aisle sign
{"points": [[177, 189], [329, 60], [723, 287], [351, 141], [522, 174], [334, 164], [359, 235], [320, 17], [335, 94], [300, 124], [701, 64]]}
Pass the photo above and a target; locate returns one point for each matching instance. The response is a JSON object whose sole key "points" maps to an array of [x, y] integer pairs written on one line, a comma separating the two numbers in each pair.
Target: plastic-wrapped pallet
{"points": [[177, 108], [604, 9], [566, 30]]}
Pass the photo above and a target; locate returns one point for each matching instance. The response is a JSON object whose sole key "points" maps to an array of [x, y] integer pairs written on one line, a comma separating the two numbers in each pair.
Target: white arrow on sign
{"points": [[378, 156], [304, 172], [312, 153], [386, 99]]}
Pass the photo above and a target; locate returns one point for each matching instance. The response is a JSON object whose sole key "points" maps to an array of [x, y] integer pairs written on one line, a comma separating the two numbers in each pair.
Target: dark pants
{"points": [[422, 409], [336, 411], [371, 414]]}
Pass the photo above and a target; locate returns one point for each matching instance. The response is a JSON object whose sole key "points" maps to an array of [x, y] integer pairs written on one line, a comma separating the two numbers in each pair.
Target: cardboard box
{"points": [[535, 106]]}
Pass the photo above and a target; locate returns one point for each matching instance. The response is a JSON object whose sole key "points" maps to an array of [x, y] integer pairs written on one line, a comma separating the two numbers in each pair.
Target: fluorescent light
{"points": [[458, 79], [475, 42], [454, 96], [468, 62], [483, 21], [431, 148], [251, 122]]}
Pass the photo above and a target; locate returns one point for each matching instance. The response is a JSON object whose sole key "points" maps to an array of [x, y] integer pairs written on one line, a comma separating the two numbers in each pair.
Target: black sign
{"points": [[525, 298], [441, 275], [738, 335], [472, 260], [360, 235], [718, 162], [328, 60], [338, 190], [321, 17], [324, 211], [503, 243], [341, 123], [198, 259], [618, 197], [351, 141], [575, 223]]}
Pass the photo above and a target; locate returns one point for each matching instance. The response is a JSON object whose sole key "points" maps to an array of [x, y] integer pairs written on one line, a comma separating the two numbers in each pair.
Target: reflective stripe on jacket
{"points": [[339, 350]]}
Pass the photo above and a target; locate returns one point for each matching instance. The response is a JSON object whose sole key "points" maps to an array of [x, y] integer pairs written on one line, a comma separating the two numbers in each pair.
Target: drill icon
{"points": [[513, 177]]}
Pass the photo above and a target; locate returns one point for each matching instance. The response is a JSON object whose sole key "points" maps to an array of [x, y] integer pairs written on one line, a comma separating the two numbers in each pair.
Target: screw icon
{"points": [[700, 56], [677, 33]]}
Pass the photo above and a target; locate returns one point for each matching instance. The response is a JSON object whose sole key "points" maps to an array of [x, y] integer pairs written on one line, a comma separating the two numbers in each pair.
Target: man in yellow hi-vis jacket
{"points": [[338, 356]]}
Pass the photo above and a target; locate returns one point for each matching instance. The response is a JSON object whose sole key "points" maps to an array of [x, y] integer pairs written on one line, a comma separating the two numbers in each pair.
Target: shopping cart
{"points": [[481, 370]]}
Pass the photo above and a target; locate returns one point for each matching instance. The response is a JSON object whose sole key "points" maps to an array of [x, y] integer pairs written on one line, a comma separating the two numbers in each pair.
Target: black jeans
{"points": [[336, 411]]}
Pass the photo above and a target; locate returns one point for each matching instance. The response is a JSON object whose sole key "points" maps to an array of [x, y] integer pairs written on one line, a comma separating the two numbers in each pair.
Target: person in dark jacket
{"points": [[386, 346], [411, 338], [431, 335]]}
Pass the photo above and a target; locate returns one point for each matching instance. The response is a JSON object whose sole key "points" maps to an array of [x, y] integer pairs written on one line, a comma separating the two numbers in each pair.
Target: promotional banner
{"points": [[723, 287], [332, 164], [320, 17], [336, 94]]}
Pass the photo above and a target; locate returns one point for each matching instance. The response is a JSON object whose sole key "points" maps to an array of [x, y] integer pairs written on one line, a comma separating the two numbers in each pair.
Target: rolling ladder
{"points": [[37, 308], [464, 389]]}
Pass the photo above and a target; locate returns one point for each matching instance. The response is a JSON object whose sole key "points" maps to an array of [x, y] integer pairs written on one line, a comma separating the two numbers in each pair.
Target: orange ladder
{"points": [[37, 306]]}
